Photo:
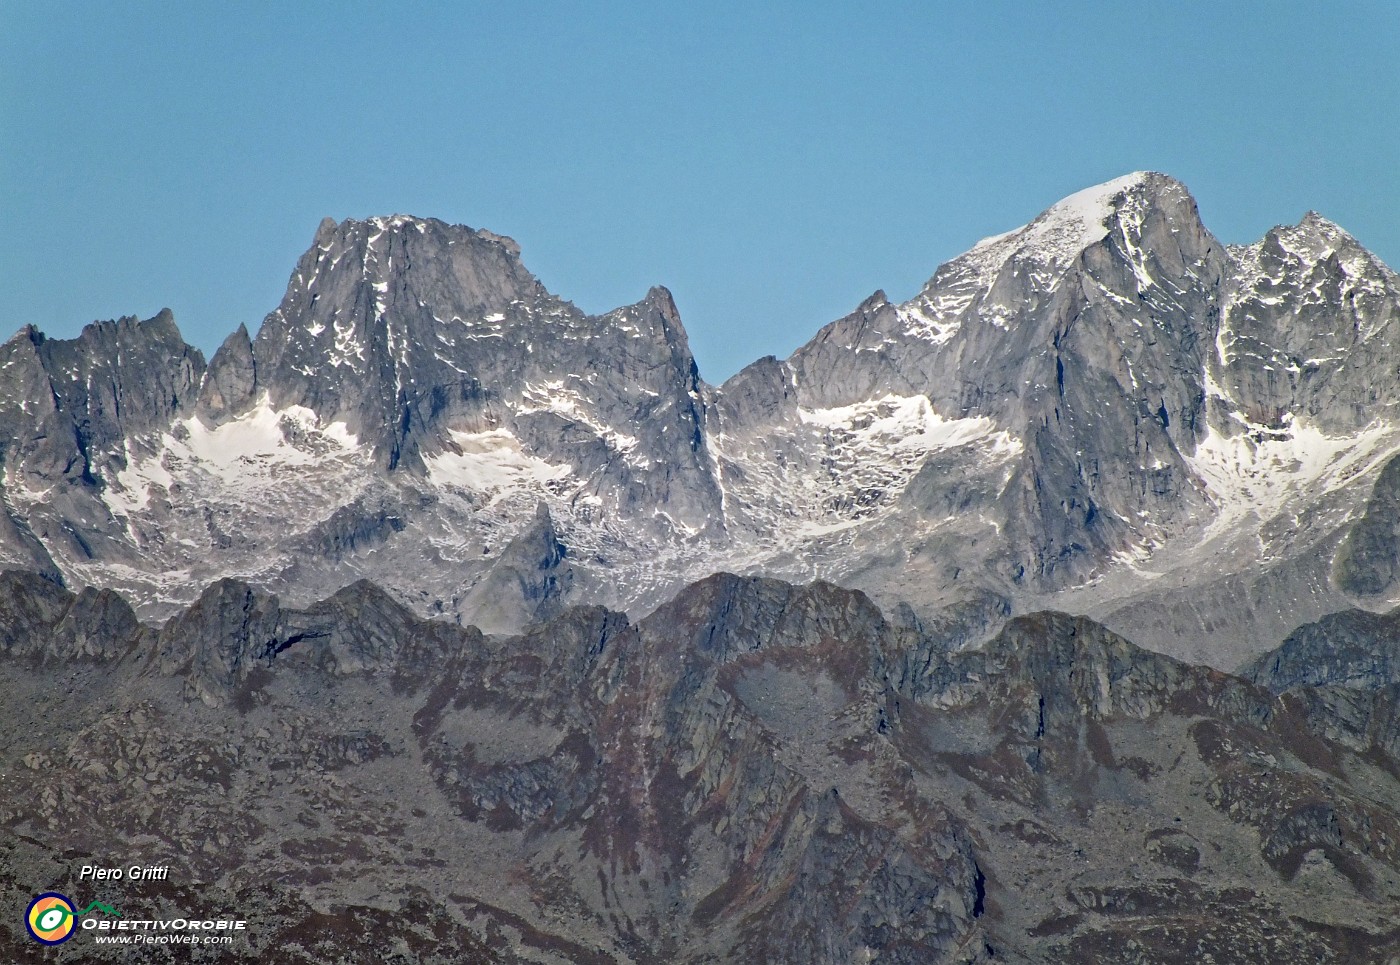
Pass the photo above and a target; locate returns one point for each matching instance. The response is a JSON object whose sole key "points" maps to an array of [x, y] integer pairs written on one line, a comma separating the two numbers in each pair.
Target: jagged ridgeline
{"points": [[1107, 410], [754, 772], [409, 623]]}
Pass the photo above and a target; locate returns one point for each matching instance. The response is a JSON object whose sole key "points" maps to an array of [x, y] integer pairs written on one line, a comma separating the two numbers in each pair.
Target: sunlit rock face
{"points": [[1046, 616], [1105, 410]]}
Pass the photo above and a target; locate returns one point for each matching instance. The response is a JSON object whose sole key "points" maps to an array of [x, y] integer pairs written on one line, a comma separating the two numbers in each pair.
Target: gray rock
{"points": [[1368, 561], [231, 381], [1104, 411], [748, 774], [1089, 345], [531, 581], [74, 403], [214, 645], [1353, 648], [1308, 329], [409, 330], [41, 620]]}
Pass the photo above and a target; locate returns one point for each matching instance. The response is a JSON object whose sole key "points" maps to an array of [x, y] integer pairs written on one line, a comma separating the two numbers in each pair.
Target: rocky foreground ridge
{"points": [[756, 771], [1105, 411], [1063, 629]]}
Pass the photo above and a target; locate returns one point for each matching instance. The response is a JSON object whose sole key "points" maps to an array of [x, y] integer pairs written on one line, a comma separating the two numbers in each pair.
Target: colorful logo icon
{"points": [[50, 918]]}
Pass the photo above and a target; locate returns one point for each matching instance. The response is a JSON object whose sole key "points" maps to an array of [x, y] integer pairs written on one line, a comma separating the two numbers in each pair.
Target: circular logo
{"points": [[50, 918]]}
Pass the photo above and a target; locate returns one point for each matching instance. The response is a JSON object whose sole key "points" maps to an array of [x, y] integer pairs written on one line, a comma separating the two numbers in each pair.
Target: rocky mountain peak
{"points": [[1060, 234], [1062, 231], [230, 380], [531, 580], [1305, 315], [1082, 332], [1059, 404], [1133, 241], [87, 397], [367, 291], [409, 329], [1311, 241]]}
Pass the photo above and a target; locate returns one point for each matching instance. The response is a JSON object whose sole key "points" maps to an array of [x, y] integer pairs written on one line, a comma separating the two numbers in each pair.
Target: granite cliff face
{"points": [[415, 333], [1301, 300], [1106, 411], [416, 378], [69, 413], [1084, 337], [755, 771], [412, 621], [1354, 648]]}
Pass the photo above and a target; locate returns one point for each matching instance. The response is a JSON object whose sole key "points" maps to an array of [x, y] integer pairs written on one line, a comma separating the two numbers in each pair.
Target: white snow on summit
{"points": [[1063, 230], [1044, 248]]}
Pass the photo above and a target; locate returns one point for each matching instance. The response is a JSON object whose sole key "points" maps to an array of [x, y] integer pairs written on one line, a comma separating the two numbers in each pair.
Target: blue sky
{"points": [[771, 163]]}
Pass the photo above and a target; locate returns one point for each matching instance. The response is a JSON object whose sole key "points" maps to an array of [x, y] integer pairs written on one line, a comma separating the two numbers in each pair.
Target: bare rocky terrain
{"points": [[1105, 411], [1048, 616], [756, 771]]}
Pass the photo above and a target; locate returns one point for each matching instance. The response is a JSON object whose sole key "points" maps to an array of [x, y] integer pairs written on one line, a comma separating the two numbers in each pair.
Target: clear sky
{"points": [[771, 163]]}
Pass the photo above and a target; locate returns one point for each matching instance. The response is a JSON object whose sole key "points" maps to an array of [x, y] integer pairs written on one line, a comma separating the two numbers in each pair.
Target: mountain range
{"points": [[1044, 616], [1106, 410]]}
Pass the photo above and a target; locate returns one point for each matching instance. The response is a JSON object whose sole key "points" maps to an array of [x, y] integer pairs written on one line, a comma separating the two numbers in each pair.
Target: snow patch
{"points": [[239, 456], [897, 422], [842, 467], [933, 319], [556, 397], [1253, 472], [132, 490], [491, 462]]}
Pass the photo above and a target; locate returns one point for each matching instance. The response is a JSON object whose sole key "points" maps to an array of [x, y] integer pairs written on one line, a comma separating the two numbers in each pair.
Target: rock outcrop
{"points": [[756, 771], [1104, 411]]}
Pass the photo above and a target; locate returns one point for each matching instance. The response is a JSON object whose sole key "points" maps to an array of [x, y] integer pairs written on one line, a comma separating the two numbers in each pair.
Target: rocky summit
{"points": [[1046, 616], [1105, 411]]}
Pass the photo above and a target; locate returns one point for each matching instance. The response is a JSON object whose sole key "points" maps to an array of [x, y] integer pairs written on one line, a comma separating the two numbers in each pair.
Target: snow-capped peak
{"points": [[1066, 228], [1044, 248], [1297, 250], [397, 221]]}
